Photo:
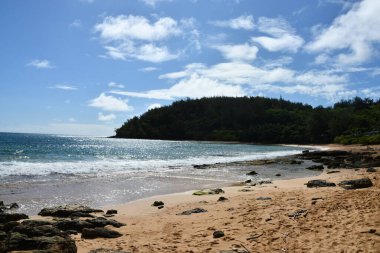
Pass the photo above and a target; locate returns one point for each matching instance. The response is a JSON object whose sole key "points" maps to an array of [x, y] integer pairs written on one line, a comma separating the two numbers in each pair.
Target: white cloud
{"points": [[355, 33], [106, 117], [115, 85], [283, 37], [239, 79], [242, 52], [41, 64], [63, 87], [137, 27], [153, 3], [148, 69], [194, 86], [153, 106], [110, 103], [242, 22], [136, 37]]}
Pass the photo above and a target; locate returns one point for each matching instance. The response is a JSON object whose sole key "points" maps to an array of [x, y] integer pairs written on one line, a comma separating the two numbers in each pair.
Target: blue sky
{"points": [[86, 66]]}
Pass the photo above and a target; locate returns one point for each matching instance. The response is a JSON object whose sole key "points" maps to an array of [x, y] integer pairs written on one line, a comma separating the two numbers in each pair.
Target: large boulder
{"points": [[69, 210], [319, 183], [102, 222], [356, 183]]}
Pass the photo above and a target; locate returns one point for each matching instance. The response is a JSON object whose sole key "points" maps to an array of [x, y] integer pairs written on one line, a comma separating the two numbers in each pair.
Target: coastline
{"points": [[338, 220]]}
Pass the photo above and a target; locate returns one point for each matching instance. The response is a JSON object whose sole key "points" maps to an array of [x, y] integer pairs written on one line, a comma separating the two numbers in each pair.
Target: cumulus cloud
{"points": [[355, 33], [282, 35], [136, 37], [241, 78], [110, 103], [106, 117], [41, 64], [242, 22], [240, 52], [194, 86]]}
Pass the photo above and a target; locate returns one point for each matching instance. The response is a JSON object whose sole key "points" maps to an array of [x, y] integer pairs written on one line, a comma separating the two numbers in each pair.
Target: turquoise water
{"points": [[39, 170]]}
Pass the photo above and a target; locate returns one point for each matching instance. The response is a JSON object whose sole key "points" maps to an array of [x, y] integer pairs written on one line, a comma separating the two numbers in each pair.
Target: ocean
{"points": [[38, 170]]}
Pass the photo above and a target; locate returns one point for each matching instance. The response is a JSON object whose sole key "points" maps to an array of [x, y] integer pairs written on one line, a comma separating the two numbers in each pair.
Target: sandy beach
{"points": [[284, 216]]}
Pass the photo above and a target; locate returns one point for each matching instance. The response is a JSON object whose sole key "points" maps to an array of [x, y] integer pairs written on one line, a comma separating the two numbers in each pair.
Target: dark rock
{"points": [[248, 181], [158, 203], [67, 211], [160, 207], [252, 173], [319, 183], [35, 223], [297, 214], [35, 231], [222, 198], [81, 214], [315, 167], [111, 211], [333, 171], [278, 175], [201, 167], [7, 217], [102, 222], [195, 210], [264, 182], [371, 170], [13, 206], [76, 225], [218, 234], [10, 225], [356, 183], [295, 162], [264, 198], [21, 242], [92, 233]]}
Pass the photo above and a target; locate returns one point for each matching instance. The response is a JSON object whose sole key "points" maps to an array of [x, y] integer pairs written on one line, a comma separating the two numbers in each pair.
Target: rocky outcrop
{"points": [[319, 183], [68, 211], [356, 183]]}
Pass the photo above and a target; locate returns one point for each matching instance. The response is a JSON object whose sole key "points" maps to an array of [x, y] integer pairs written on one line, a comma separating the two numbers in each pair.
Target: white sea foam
{"points": [[106, 166]]}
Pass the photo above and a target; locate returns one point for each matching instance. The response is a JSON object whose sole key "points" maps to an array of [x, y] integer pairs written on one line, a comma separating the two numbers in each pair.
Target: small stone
{"points": [[111, 211], [195, 210], [264, 198], [158, 203], [248, 181], [222, 198], [371, 170], [160, 207], [252, 173], [278, 175], [333, 171], [218, 234]]}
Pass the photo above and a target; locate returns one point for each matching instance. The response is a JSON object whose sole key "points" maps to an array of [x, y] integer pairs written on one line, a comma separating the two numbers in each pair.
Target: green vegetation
{"points": [[258, 120]]}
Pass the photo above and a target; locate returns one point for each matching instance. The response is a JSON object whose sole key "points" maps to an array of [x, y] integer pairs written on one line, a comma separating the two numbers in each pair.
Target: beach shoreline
{"points": [[337, 220]]}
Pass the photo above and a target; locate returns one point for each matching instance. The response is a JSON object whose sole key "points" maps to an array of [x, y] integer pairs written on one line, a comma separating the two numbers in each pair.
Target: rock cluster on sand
{"points": [[343, 159], [53, 236]]}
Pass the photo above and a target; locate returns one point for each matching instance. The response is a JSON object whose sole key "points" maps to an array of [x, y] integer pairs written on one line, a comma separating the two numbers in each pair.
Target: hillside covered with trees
{"points": [[258, 120]]}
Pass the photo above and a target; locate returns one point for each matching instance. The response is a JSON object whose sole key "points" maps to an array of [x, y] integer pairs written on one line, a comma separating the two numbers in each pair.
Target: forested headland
{"points": [[259, 120]]}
